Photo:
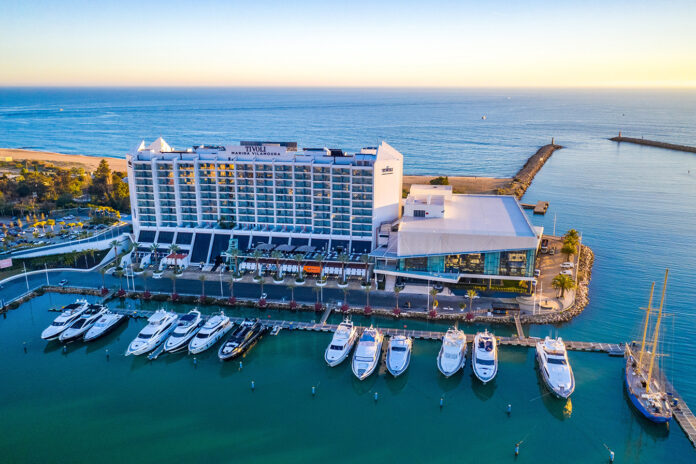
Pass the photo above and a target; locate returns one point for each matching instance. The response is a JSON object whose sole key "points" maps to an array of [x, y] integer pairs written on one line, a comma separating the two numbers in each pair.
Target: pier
{"points": [[541, 207], [654, 143]]}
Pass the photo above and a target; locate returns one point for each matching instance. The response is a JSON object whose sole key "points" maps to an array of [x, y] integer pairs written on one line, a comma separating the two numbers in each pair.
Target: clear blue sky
{"points": [[357, 43]]}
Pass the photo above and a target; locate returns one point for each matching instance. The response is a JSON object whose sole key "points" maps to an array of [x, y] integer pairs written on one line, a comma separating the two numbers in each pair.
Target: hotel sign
{"points": [[387, 170], [258, 150]]}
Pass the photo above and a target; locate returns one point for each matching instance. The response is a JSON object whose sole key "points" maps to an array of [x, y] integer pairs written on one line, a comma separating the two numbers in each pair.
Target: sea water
{"points": [[635, 207]]}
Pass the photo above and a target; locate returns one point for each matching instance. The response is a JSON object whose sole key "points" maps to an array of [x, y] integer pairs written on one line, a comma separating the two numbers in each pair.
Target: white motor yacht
{"points": [[158, 328], [399, 354], [83, 323], [185, 329], [554, 367], [452, 355], [341, 343], [213, 330], [106, 323], [69, 314], [484, 356], [366, 356]]}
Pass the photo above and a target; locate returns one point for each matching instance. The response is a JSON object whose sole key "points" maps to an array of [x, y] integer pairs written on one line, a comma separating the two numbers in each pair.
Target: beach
{"points": [[89, 163]]}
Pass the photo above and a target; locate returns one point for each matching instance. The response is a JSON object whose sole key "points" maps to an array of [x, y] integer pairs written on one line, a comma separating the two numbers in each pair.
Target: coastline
{"points": [[89, 163]]}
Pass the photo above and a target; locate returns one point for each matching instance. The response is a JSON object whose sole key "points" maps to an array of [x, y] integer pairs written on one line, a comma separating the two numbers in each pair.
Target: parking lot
{"points": [[551, 263]]}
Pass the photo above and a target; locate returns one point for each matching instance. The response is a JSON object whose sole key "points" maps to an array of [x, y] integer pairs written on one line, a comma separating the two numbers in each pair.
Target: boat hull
{"points": [[181, 343], [641, 409], [197, 349], [93, 335], [451, 371], [339, 360], [560, 394], [398, 370], [370, 368], [482, 377], [244, 348]]}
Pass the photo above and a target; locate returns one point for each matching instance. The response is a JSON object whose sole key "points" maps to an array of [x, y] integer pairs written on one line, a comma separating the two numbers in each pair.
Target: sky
{"points": [[357, 43]]}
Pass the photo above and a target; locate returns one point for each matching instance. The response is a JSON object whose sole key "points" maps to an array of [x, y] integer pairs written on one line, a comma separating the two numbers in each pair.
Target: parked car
{"points": [[63, 283], [568, 265], [567, 272], [545, 245], [537, 272]]}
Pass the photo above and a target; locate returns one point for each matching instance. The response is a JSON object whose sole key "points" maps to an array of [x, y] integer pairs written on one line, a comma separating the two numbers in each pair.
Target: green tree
{"points": [[343, 259], [471, 294], [563, 282], [569, 248], [441, 180]]}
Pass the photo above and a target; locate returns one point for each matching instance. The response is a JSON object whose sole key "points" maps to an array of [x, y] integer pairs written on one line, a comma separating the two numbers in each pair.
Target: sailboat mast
{"points": [[645, 328], [657, 332]]}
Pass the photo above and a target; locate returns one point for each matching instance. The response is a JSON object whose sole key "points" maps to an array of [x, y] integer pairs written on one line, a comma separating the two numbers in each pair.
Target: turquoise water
{"points": [[635, 206]]}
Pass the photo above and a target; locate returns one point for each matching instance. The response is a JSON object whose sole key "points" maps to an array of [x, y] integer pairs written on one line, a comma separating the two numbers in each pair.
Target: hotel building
{"points": [[209, 198], [444, 237]]}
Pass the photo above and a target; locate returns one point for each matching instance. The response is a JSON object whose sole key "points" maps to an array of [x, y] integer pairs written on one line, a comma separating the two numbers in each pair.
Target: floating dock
{"points": [[541, 207]]}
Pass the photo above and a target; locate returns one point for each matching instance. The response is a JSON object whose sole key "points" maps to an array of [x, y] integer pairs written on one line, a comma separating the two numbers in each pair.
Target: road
{"points": [[303, 294]]}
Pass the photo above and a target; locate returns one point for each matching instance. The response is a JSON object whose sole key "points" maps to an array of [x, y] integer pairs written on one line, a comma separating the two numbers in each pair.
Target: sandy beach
{"points": [[461, 184], [90, 163]]}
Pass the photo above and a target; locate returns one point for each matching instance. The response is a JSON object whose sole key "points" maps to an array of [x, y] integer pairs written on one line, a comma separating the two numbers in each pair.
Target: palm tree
{"points": [[153, 250], [368, 288], [317, 303], [299, 257], [257, 256], [235, 254], [471, 294], [320, 259], [563, 282], [397, 290], [343, 259], [571, 236], [114, 244], [146, 275], [365, 259], [102, 271], [345, 299], [291, 287], [277, 255], [174, 249], [433, 293], [569, 248], [202, 279], [119, 274]]}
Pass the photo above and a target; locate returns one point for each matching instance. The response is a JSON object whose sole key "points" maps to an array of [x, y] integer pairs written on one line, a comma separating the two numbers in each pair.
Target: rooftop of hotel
{"points": [[261, 151]]}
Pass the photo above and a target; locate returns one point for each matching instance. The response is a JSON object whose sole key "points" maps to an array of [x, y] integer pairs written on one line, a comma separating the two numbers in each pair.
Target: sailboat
{"points": [[646, 392]]}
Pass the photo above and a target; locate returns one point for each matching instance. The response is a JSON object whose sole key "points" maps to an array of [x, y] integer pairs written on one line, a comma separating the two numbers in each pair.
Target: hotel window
{"points": [[418, 213]]}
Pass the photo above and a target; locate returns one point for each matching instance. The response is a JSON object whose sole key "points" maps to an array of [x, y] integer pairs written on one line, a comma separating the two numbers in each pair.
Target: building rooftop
{"points": [[469, 224]]}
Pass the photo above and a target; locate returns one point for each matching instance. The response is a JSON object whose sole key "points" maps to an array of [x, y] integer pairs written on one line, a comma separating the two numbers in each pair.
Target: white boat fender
{"points": [[65, 349], [611, 456], [509, 409], [253, 386], [195, 361], [376, 396]]}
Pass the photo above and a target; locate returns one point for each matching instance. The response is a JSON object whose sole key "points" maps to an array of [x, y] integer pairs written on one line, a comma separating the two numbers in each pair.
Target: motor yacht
{"points": [[366, 356], [242, 339], [213, 330], [341, 343], [106, 323], [484, 356], [83, 323], [158, 328], [186, 328], [452, 356], [68, 315], [554, 366], [399, 354]]}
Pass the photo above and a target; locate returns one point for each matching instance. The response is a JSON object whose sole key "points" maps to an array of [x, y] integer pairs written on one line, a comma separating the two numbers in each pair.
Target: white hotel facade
{"points": [[257, 192]]}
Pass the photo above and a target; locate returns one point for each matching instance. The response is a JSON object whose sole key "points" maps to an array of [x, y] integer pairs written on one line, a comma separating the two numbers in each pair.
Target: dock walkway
{"points": [[528, 342]]}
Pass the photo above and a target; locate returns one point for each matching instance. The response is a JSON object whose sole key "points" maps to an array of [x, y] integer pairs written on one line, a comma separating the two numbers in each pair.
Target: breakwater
{"points": [[524, 177], [653, 143]]}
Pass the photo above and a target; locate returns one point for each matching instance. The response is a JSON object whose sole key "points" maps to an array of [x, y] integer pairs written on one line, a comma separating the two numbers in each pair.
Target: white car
{"points": [[567, 265], [156, 275], [567, 272]]}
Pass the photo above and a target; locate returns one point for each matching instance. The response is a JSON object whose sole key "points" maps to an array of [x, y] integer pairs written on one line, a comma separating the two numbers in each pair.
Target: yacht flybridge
{"points": [[554, 366], [341, 343], [213, 330], [70, 313], [185, 329], [158, 328], [646, 392], [366, 356], [83, 323], [399, 354], [484, 357], [452, 356]]}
